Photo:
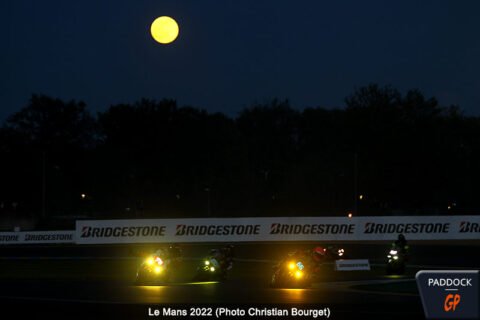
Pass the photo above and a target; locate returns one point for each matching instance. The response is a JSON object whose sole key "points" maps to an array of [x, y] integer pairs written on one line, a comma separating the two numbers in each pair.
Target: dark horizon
{"points": [[387, 153], [231, 55]]}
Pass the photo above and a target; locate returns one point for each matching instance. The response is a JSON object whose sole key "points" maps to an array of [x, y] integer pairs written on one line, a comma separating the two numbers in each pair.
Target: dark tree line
{"points": [[398, 153]]}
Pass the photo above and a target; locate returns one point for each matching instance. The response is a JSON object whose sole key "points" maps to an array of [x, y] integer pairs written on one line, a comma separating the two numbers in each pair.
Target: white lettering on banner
{"points": [[37, 237], [278, 229]]}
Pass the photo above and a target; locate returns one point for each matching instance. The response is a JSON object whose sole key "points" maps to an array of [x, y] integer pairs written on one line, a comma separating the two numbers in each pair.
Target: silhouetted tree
{"points": [[156, 159], [45, 147]]}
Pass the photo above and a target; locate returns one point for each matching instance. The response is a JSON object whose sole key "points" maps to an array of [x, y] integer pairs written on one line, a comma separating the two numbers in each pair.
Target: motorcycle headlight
{"points": [[150, 261], [212, 269], [158, 269], [298, 274], [291, 266], [159, 260], [395, 257], [207, 262], [393, 252], [300, 265]]}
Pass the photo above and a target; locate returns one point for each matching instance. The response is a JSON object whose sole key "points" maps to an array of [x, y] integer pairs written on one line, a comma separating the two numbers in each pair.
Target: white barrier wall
{"points": [[256, 229], [35, 237], [278, 229]]}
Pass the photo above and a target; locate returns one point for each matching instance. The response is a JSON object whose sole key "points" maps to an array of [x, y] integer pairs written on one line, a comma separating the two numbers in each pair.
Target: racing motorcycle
{"points": [[290, 273], [210, 269], [333, 253], [215, 266], [396, 261], [154, 269]]}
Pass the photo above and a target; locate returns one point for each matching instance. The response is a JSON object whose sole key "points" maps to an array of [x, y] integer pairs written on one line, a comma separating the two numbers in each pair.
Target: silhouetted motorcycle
{"points": [[211, 269], [333, 253], [396, 261], [290, 273], [156, 268]]}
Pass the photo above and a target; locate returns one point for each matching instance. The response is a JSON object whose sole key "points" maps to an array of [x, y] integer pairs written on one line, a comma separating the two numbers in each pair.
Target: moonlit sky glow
{"points": [[234, 53]]}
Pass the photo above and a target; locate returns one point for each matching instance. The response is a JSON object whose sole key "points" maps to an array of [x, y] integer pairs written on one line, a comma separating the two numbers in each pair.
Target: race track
{"points": [[94, 282]]}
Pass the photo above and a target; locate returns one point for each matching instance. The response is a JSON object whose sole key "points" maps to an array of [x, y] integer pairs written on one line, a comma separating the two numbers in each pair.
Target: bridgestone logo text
{"points": [[371, 227], [8, 238], [108, 232], [279, 228], [469, 227], [217, 230], [48, 237]]}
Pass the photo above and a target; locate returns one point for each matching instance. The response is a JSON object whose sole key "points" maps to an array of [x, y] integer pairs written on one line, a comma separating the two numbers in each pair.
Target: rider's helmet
{"points": [[401, 241], [318, 253]]}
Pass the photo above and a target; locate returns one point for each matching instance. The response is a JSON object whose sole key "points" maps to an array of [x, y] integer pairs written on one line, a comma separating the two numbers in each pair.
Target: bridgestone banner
{"points": [[278, 229], [37, 237]]}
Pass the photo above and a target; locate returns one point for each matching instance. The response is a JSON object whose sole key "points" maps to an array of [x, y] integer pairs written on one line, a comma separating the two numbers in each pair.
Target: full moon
{"points": [[164, 30]]}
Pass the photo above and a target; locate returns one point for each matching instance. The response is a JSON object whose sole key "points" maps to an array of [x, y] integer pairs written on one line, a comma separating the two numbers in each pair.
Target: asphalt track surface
{"points": [[89, 282]]}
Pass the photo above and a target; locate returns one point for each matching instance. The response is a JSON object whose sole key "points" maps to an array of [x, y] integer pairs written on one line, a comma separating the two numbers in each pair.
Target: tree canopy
{"points": [[404, 153]]}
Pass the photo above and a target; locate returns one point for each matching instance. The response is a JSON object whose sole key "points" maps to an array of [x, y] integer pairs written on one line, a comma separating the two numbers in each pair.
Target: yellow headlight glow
{"points": [[291, 266]]}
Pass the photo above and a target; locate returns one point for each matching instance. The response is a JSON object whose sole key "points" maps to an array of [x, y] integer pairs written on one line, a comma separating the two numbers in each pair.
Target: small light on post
{"points": [[83, 195], [350, 215]]}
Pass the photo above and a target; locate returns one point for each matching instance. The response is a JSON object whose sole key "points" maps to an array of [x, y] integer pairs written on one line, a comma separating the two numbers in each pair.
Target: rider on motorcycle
{"points": [[401, 244], [228, 255], [318, 257]]}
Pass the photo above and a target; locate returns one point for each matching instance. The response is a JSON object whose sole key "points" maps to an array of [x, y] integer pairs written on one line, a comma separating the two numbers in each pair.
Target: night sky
{"points": [[231, 54]]}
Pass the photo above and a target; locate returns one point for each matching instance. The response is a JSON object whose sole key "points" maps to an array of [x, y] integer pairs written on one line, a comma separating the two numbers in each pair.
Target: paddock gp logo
{"points": [[395, 228], [280, 228], [469, 227], [449, 294], [109, 232], [217, 230]]}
